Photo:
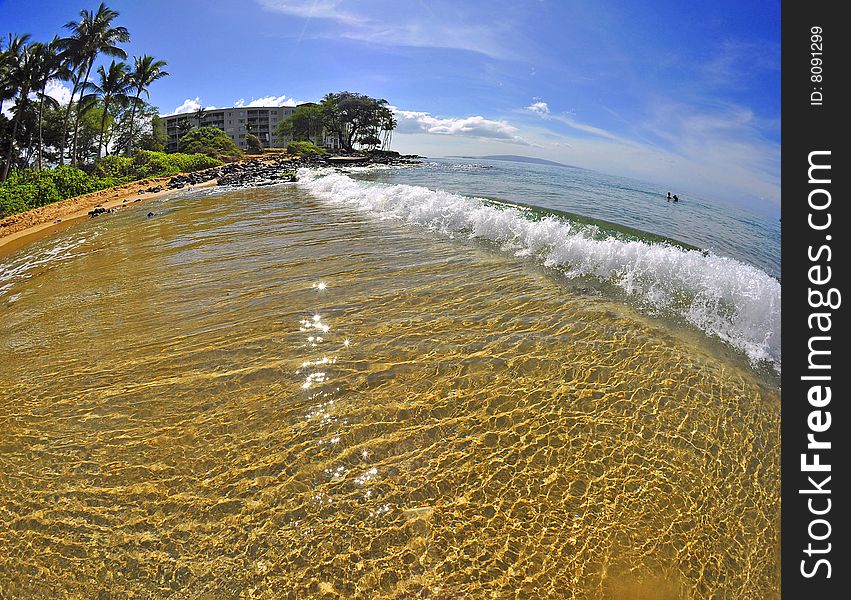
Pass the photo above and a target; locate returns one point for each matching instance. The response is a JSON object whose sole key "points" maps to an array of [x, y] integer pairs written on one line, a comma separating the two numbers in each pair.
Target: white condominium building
{"points": [[237, 122]]}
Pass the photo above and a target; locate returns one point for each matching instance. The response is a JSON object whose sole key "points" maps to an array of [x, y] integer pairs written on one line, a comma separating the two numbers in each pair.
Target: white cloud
{"points": [[281, 100], [539, 107], [59, 91], [409, 121], [189, 105]]}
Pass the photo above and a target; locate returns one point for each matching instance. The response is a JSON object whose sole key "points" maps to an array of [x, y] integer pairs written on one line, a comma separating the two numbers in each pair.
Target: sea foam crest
{"points": [[721, 296]]}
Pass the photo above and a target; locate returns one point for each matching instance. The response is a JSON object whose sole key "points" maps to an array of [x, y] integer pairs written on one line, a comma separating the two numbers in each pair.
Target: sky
{"points": [[682, 94]]}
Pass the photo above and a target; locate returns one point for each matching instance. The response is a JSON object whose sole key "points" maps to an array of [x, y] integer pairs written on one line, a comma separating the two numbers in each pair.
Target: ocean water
{"points": [[723, 282], [361, 386]]}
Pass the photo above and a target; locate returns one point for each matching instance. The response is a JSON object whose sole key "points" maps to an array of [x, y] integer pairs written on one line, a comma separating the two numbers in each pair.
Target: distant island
{"points": [[516, 158]]}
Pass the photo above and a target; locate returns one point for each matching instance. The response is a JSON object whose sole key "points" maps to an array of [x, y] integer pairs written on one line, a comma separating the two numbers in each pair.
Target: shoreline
{"points": [[19, 230], [22, 229]]}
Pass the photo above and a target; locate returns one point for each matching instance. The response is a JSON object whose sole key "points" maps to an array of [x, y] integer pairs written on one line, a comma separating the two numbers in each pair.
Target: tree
{"points": [[8, 64], [23, 77], [52, 65], [199, 115], [303, 125], [155, 139], [147, 70], [91, 36], [211, 141], [113, 87], [253, 144], [133, 125], [349, 116]]}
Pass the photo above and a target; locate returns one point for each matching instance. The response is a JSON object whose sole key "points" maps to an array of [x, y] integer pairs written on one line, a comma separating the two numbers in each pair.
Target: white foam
{"points": [[24, 265], [723, 297]]}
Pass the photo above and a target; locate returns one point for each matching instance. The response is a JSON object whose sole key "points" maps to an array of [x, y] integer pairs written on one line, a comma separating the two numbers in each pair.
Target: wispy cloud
{"points": [[310, 9], [735, 63], [717, 146], [423, 27], [474, 126], [542, 109]]}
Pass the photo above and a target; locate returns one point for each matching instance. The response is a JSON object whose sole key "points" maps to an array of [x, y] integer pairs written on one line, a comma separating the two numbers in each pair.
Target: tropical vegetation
{"points": [[26, 189], [210, 141], [104, 116], [347, 118], [304, 149]]}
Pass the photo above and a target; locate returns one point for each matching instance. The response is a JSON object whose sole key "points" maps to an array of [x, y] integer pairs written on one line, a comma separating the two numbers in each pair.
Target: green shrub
{"points": [[116, 167], [384, 153], [71, 181], [27, 188], [304, 149], [211, 141], [193, 162], [253, 144], [11, 201]]}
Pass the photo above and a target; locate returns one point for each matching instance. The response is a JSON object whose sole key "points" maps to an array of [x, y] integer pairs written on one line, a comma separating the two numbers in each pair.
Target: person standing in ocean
{"points": [[669, 196]]}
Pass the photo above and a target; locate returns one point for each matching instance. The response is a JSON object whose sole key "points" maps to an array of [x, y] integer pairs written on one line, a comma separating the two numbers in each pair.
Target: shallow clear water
{"points": [[267, 393]]}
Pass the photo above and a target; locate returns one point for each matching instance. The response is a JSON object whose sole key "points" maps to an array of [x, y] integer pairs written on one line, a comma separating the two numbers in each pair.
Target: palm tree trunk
{"points": [[15, 122], [77, 121], [40, 115], [132, 122], [102, 127], [65, 125]]}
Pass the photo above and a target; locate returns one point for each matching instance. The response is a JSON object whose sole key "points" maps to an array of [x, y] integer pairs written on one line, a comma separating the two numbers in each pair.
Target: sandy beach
{"points": [[16, 231], [23, 228]]}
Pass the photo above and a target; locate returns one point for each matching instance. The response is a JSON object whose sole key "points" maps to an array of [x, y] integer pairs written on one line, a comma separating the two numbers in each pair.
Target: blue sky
{"points": [[684, 94]]}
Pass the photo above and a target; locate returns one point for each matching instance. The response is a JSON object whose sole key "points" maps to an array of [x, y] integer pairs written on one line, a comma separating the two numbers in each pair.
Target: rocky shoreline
{"points": [[263, 171]]}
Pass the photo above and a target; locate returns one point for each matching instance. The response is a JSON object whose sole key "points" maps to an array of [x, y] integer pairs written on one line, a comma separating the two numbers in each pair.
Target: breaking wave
{"points": [[723, 297]]}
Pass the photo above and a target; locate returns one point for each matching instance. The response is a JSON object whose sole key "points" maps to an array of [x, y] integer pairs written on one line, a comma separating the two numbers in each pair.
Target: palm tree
{"points": [[52, 65], [93, 35], [8, 62], [5, 67], [147, 71], [113, 87], [23, 77], [199, 115]]}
